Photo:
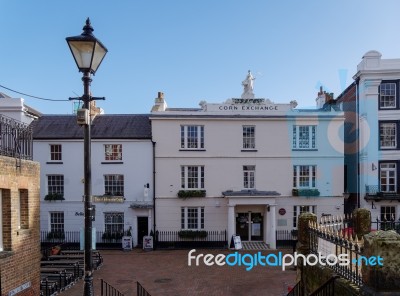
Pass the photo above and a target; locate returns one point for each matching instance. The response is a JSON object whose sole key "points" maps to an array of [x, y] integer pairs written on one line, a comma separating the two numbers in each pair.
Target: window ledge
{"points": [[249, 150], [112, 162], [192, 150], [296, 149], [6, 254], [54, 162]]}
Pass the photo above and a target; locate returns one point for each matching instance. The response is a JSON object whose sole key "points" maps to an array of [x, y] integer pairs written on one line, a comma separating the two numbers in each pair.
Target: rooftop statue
{"points": [[248, 87]]}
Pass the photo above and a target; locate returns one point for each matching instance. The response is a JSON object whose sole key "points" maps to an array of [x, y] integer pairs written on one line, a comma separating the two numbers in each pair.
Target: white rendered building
{"points": [[16, 108], [246, 165], [122, 173], [372, 150]]}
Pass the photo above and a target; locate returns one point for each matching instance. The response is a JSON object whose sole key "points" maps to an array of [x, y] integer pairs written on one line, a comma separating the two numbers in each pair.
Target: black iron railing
{"points": [[375, 192], [15, 138], [297, 290], [386, 224], [70, 240], [108, 290], [199, 239], [140, 291], [286, 239], [327, 240], [327, 289]]}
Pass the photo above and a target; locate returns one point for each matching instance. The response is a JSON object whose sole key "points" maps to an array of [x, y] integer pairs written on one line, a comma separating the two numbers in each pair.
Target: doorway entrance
{"points": [[142, 228], [250, 226]]}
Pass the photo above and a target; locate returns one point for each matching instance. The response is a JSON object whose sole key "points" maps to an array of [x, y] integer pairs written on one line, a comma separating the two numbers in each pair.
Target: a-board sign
{"points": [[127, 243], [147, 243], [237, 242]]}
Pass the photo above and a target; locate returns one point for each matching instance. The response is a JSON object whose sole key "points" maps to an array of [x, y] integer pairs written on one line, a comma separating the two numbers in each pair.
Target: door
{"points": [[256, 226], [143, 228], [250, 226], [242, 226]]}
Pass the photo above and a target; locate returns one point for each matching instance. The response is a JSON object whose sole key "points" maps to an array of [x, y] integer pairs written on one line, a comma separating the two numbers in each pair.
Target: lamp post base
{"points": [[88, 286]]}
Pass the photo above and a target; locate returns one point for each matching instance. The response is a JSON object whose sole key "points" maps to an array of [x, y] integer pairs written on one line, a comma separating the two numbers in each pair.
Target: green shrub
{"points": [[191, 193], [305, 192], [54, 196]]}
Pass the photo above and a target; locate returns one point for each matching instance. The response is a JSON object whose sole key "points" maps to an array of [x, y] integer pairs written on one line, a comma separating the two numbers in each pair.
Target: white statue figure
{"points": [[248, 87]]}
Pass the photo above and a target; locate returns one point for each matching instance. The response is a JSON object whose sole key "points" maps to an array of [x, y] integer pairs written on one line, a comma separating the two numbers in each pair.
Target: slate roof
{"points": [[110, 126]]}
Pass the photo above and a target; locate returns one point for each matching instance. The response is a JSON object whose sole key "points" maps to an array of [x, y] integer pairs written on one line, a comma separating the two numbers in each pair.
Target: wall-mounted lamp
{"points": [[346, 195], [374, 167], [267, 208], [373, 205]]}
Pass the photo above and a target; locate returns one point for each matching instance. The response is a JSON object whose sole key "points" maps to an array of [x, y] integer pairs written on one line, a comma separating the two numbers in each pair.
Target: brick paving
{"points": [[167, 273]]}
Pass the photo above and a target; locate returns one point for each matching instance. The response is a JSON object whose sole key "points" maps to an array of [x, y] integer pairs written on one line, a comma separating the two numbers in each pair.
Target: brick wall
{"points": [[20, 199]]}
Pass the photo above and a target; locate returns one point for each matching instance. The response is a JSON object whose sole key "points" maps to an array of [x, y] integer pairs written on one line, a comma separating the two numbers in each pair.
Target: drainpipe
{"points": [[358, 142], [154, 187]]}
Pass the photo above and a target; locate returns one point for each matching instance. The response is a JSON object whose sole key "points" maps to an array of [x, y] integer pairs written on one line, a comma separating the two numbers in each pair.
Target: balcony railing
{"points": [[373, 192], [15, 138]]}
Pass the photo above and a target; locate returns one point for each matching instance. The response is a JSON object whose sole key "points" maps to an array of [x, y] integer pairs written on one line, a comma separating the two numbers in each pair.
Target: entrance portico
{"points": [[253, 218]]}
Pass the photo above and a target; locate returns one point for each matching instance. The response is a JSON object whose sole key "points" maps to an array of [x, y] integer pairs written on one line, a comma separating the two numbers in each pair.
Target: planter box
{"points": [[305, 192]]}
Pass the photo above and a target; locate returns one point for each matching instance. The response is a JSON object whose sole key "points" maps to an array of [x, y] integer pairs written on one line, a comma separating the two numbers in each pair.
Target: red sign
{"points": [[282, 211]]}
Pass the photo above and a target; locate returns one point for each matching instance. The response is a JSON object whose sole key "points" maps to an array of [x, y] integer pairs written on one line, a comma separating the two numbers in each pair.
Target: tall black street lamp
{"points": [[88, 53]]}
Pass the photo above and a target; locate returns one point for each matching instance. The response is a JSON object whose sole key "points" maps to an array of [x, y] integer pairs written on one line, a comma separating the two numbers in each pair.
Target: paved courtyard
{"points": [[167, 273]]}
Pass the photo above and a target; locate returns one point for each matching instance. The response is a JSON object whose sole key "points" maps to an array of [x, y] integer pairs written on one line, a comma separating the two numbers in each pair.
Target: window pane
{"points": [[388, 179], [249, 176], [387, 135], [114, 185], [192, 177], [114, 223], [387, 98], [55, 184], [192, 136], [113, 151], [57, 221], [55, 152], [249, 137]]}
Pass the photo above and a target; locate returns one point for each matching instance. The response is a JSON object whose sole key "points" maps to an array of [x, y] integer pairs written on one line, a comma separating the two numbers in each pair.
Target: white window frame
{"points": [[299, 209], [114, 184], [113, 152], [55, 152], [192, 176], [388, 212], [192, 137], [56, 188], [387, 135], [304, 176], [387, 94], [114, 226], [57, 221], [249, 176], [304, 137], [187, 214], [389, 169], [249, 137]]}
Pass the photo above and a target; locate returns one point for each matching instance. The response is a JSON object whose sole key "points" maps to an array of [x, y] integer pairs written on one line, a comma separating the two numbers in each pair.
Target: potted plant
{"points": [[191, 193], [54, 196]]}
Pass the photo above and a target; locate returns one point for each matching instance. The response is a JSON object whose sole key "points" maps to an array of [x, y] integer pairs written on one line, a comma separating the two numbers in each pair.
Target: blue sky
{"points": [[191, 50]]}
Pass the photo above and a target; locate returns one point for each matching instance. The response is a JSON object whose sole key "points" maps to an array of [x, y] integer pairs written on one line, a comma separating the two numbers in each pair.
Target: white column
{"points": [[271, 227], [231, 222]]}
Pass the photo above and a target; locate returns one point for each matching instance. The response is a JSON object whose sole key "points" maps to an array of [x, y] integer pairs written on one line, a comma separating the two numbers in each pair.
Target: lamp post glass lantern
{"points": [[88, 53], [87, 50]]}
